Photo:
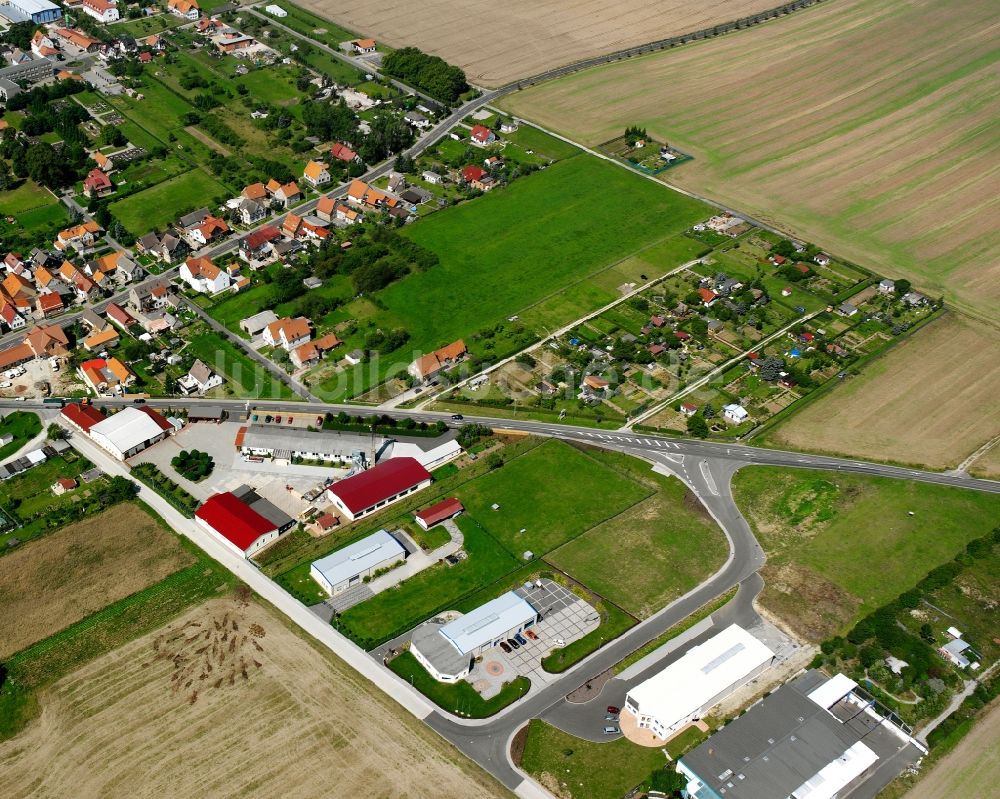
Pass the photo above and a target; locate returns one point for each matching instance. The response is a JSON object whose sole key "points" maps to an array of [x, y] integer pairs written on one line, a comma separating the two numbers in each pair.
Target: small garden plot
{"points": [[641, 152], [547, 497], [23, 426]]}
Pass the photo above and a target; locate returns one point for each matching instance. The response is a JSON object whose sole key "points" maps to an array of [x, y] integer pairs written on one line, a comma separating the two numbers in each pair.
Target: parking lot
{"points": [[565, 618]]}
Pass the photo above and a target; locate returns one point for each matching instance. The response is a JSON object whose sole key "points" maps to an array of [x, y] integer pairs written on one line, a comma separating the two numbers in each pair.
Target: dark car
{"points": [[614, 710], [457, 417], [514, 644], [521, 639], [504, 647], [138, 401], [268, 418]]}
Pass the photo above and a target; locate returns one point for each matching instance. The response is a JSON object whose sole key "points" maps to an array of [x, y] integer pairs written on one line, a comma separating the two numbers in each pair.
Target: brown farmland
{"points": [[50, 583], [867, 126], [228, 701], [498, 43], [931, 401]]}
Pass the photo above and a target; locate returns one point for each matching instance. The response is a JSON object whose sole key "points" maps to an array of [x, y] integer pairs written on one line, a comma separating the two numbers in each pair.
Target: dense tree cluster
{"points": [[429, 73], [329, 121]]}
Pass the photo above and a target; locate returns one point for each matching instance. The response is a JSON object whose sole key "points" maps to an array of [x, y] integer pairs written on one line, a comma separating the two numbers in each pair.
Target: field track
{"points": [[498, 43], [867, 126]]}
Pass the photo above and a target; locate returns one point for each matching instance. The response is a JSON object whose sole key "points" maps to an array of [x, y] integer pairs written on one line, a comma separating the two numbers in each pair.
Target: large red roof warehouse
{"points": [[83, 416], [380, 482], [234, 520]]}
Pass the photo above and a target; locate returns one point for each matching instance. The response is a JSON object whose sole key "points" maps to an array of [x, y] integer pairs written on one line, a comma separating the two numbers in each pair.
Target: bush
{"points": [[193, 464]]}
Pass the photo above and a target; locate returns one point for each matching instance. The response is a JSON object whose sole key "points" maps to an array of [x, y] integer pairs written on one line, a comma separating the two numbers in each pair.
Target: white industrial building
{"points": [[284, 443], [129, 431], [447, 650], [349, 566], [686, 690], [429, 452], [276, 11], [36, 11]]}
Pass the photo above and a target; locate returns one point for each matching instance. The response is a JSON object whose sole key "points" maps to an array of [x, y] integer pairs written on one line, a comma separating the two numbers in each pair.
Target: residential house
{"points": [[115, 266], [12, 320], [432, 177], [346, 215], [325, 208], [847, 309], [199, 379], [79, 39], [595, 383], [429, 366], [342, 152], [416, 119], [97, 184], [822, 259], [107, 375], [287, 194], [102, 10], [472, 174], [482, 136], [914, 299], [255, 191], [688, 409], [42, 45], [167, 248], [251, 211], [119, 315], [62, 485], [101, 339], [312, 351], [49, 305], [316, 174], [79, 237], [194, 218], [105, 164], [707, 296], [203, 276], [362, 46], [211, 229], [887, 286], [256, 247], [47, 341], [288, 333], [187, 9], [508, 125], [254, 325]]}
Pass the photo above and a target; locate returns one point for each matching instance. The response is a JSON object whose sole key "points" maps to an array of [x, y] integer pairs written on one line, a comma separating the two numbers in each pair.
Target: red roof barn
{"points": [[378, 487], [473, 173], [446, 509], [239, 525], [82, 416]]}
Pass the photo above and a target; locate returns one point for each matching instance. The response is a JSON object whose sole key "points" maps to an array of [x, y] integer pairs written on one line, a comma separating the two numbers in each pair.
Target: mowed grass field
{"points": [[137, 722], [931, 400], [50, 583], [644, 542], [839, 546], [537, 238], [526, 37], [156, 207], [867, 126]]}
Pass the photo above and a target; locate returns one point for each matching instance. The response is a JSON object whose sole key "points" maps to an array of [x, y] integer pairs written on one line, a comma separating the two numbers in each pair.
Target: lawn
{"points": [[23, 425], [459, 698], [435, 589], [583, 769], [514, 247], [839, 546], [245, 378], [548, 497], [666, 544], [531, 138], [156, 207], [28, 196]]}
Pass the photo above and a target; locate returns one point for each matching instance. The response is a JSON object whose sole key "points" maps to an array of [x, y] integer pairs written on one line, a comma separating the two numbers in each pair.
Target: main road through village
{"points": [[706, 467]]}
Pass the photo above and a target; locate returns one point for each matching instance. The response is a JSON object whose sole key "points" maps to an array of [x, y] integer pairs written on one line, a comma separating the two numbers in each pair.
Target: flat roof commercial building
{"points": [[447, 650], [703, 677], [130, 431], [294, 442], [349, 566], [813, 738], [378, 487], [37, 11]]}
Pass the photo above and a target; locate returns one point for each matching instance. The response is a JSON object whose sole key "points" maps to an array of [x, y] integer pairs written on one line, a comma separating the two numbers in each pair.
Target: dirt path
{"points": [[207, 140], [228, 701], [972, 769]]}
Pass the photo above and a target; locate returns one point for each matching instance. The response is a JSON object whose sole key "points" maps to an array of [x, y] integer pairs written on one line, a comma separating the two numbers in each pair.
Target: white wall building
{"points": [[129, 431], [349, 566], [686, 690], [735, 413], [276, 11], [447, 651]]}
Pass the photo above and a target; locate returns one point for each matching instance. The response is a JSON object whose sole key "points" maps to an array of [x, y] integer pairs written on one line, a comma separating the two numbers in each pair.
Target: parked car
{"points": [[253, 418], [614, 710], [268, 418], [291, 419], [138, 401], [521, 639], [610, 730], [319, 421], [531, 635], [611, 717], [560, 642], [504, 647], [277, 420], [514, 644]]}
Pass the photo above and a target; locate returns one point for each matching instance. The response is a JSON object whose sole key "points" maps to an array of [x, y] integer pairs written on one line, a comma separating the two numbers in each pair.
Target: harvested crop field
{"points": [[929, 401], [273, 716], [972, 769], [867, 126], [52, 582], [496, 44]]}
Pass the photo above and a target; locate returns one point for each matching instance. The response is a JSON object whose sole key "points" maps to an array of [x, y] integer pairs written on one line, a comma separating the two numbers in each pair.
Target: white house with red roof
{"points": [[237, 525], [378, 487], [102, 10], [482, 136], [439, 512]]}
